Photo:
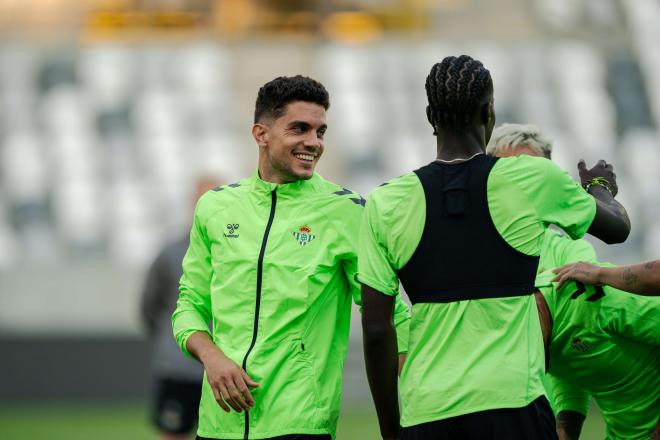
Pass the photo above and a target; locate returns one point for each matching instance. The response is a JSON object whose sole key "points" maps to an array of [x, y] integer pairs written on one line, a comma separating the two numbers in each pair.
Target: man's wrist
{"points": [[596, 184], [601, 275], [201, 346], [209, 351]]}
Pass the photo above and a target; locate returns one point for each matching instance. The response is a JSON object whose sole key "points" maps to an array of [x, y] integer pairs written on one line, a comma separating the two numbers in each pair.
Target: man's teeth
{"points": [[304, 156]]}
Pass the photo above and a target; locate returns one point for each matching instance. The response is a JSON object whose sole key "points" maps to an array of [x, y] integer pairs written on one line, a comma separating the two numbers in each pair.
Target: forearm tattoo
{"points": [[629, 278]]}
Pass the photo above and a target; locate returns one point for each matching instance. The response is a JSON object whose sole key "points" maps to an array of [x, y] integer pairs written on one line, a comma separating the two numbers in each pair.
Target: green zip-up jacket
{"points": [[273, 266]]}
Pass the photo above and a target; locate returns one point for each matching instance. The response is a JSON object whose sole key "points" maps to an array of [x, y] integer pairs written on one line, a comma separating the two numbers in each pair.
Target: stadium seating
{"points": [[101, 143]]}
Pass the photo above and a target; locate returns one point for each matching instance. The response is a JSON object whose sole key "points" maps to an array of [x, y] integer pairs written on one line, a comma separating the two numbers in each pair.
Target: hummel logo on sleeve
{"points": [[597, 294], [221, 188], [359, 201], [343, 192]]}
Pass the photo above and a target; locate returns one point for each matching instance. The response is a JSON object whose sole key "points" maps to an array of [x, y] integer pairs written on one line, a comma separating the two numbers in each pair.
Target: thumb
{"points": [[582, 166]]}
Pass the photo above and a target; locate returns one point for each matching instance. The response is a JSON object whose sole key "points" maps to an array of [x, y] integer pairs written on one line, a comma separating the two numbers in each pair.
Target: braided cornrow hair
{"points": [[455, 88]]}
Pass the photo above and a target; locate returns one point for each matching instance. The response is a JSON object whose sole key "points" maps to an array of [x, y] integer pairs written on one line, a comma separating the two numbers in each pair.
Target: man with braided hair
{"points": [[475, 349]]}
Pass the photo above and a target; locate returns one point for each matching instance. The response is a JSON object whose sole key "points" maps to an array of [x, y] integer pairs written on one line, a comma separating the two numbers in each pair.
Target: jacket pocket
{"points": [[288, 396]]}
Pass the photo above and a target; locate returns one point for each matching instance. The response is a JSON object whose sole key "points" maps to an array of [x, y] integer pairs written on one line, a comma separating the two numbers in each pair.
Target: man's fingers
{"points": [[560, 268], [244, 390], [237, 397], [562, 275], [248, 380], [219, 399], [561, 281], [227, 396], [601, 163]]}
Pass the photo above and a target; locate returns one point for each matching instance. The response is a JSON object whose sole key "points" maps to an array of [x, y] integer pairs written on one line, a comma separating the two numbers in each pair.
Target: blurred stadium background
{"points": [[110, 109]]}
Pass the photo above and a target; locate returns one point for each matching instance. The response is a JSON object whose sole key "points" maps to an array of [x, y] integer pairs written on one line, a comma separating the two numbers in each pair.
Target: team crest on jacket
{"points": [[304, 235], [580, 346]]}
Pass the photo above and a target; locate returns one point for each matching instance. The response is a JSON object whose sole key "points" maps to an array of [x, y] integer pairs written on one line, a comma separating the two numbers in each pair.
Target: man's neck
{"points": [[453, 146], [269, 175]]}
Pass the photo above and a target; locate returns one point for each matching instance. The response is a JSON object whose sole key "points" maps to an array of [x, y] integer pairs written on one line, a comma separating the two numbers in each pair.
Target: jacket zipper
{"points": [[260, 266]]}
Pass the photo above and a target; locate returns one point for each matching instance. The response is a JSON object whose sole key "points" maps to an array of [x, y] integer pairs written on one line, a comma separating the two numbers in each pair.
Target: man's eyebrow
{"points": [[305, 124]]}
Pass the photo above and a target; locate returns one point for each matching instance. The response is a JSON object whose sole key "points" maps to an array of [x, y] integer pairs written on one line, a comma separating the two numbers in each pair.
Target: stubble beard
{"points": [[287, 172]]}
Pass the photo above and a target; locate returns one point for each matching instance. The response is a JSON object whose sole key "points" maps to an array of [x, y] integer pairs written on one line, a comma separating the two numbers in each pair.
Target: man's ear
{"points": [[260, 134]]}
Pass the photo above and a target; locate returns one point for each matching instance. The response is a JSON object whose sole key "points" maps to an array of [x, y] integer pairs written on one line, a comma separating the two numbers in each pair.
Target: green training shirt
{"points": [[605, 343], [472, 355], [272, 268]]}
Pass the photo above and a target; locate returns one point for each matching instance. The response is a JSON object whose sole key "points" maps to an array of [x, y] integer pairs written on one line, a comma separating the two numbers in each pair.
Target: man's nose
{"points": [[313, 140]]}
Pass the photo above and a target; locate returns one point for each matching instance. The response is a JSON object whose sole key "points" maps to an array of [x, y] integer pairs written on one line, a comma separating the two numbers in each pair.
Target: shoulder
{"points": [[526, 167], [395, 190], [392, 201], [566, 249], [538, 177], [338, 194], [220, 197]]}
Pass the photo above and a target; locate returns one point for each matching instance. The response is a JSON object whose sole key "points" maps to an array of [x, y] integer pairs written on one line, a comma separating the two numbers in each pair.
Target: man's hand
{"points": [[228, 381], [611, 223], [601, 169], [583, 272], [641, 279], [569, 425]]}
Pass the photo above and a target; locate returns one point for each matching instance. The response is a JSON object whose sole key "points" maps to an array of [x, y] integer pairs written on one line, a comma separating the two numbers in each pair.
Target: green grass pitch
{"points": [[130, 421]]}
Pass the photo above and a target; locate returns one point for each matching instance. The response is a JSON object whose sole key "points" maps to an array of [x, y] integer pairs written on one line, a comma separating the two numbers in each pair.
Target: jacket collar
{"points": [[299, 188]]}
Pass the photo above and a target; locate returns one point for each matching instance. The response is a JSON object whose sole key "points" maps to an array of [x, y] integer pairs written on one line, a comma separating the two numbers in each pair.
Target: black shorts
{"points": [[177, 405], [291, 437], [532, 422]]}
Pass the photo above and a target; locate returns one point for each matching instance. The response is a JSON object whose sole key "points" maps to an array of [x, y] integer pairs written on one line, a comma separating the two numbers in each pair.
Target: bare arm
{"points": [[382, 362], [228, 381], [643, 278], [611, 223], [569, 425], [402, 360]]}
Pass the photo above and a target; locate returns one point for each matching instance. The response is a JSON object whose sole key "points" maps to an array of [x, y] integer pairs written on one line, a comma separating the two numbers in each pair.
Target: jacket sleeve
{"points": [[563, 202], [565, 396], [632, 316], [193, 309]]}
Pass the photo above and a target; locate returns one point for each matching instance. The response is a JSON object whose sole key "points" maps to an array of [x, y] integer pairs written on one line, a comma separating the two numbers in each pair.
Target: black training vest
{"points": [[461, 255]]}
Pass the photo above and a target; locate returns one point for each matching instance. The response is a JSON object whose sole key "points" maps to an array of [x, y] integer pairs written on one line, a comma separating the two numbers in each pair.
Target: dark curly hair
{"points": [[276, 94], [455, 88]]}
